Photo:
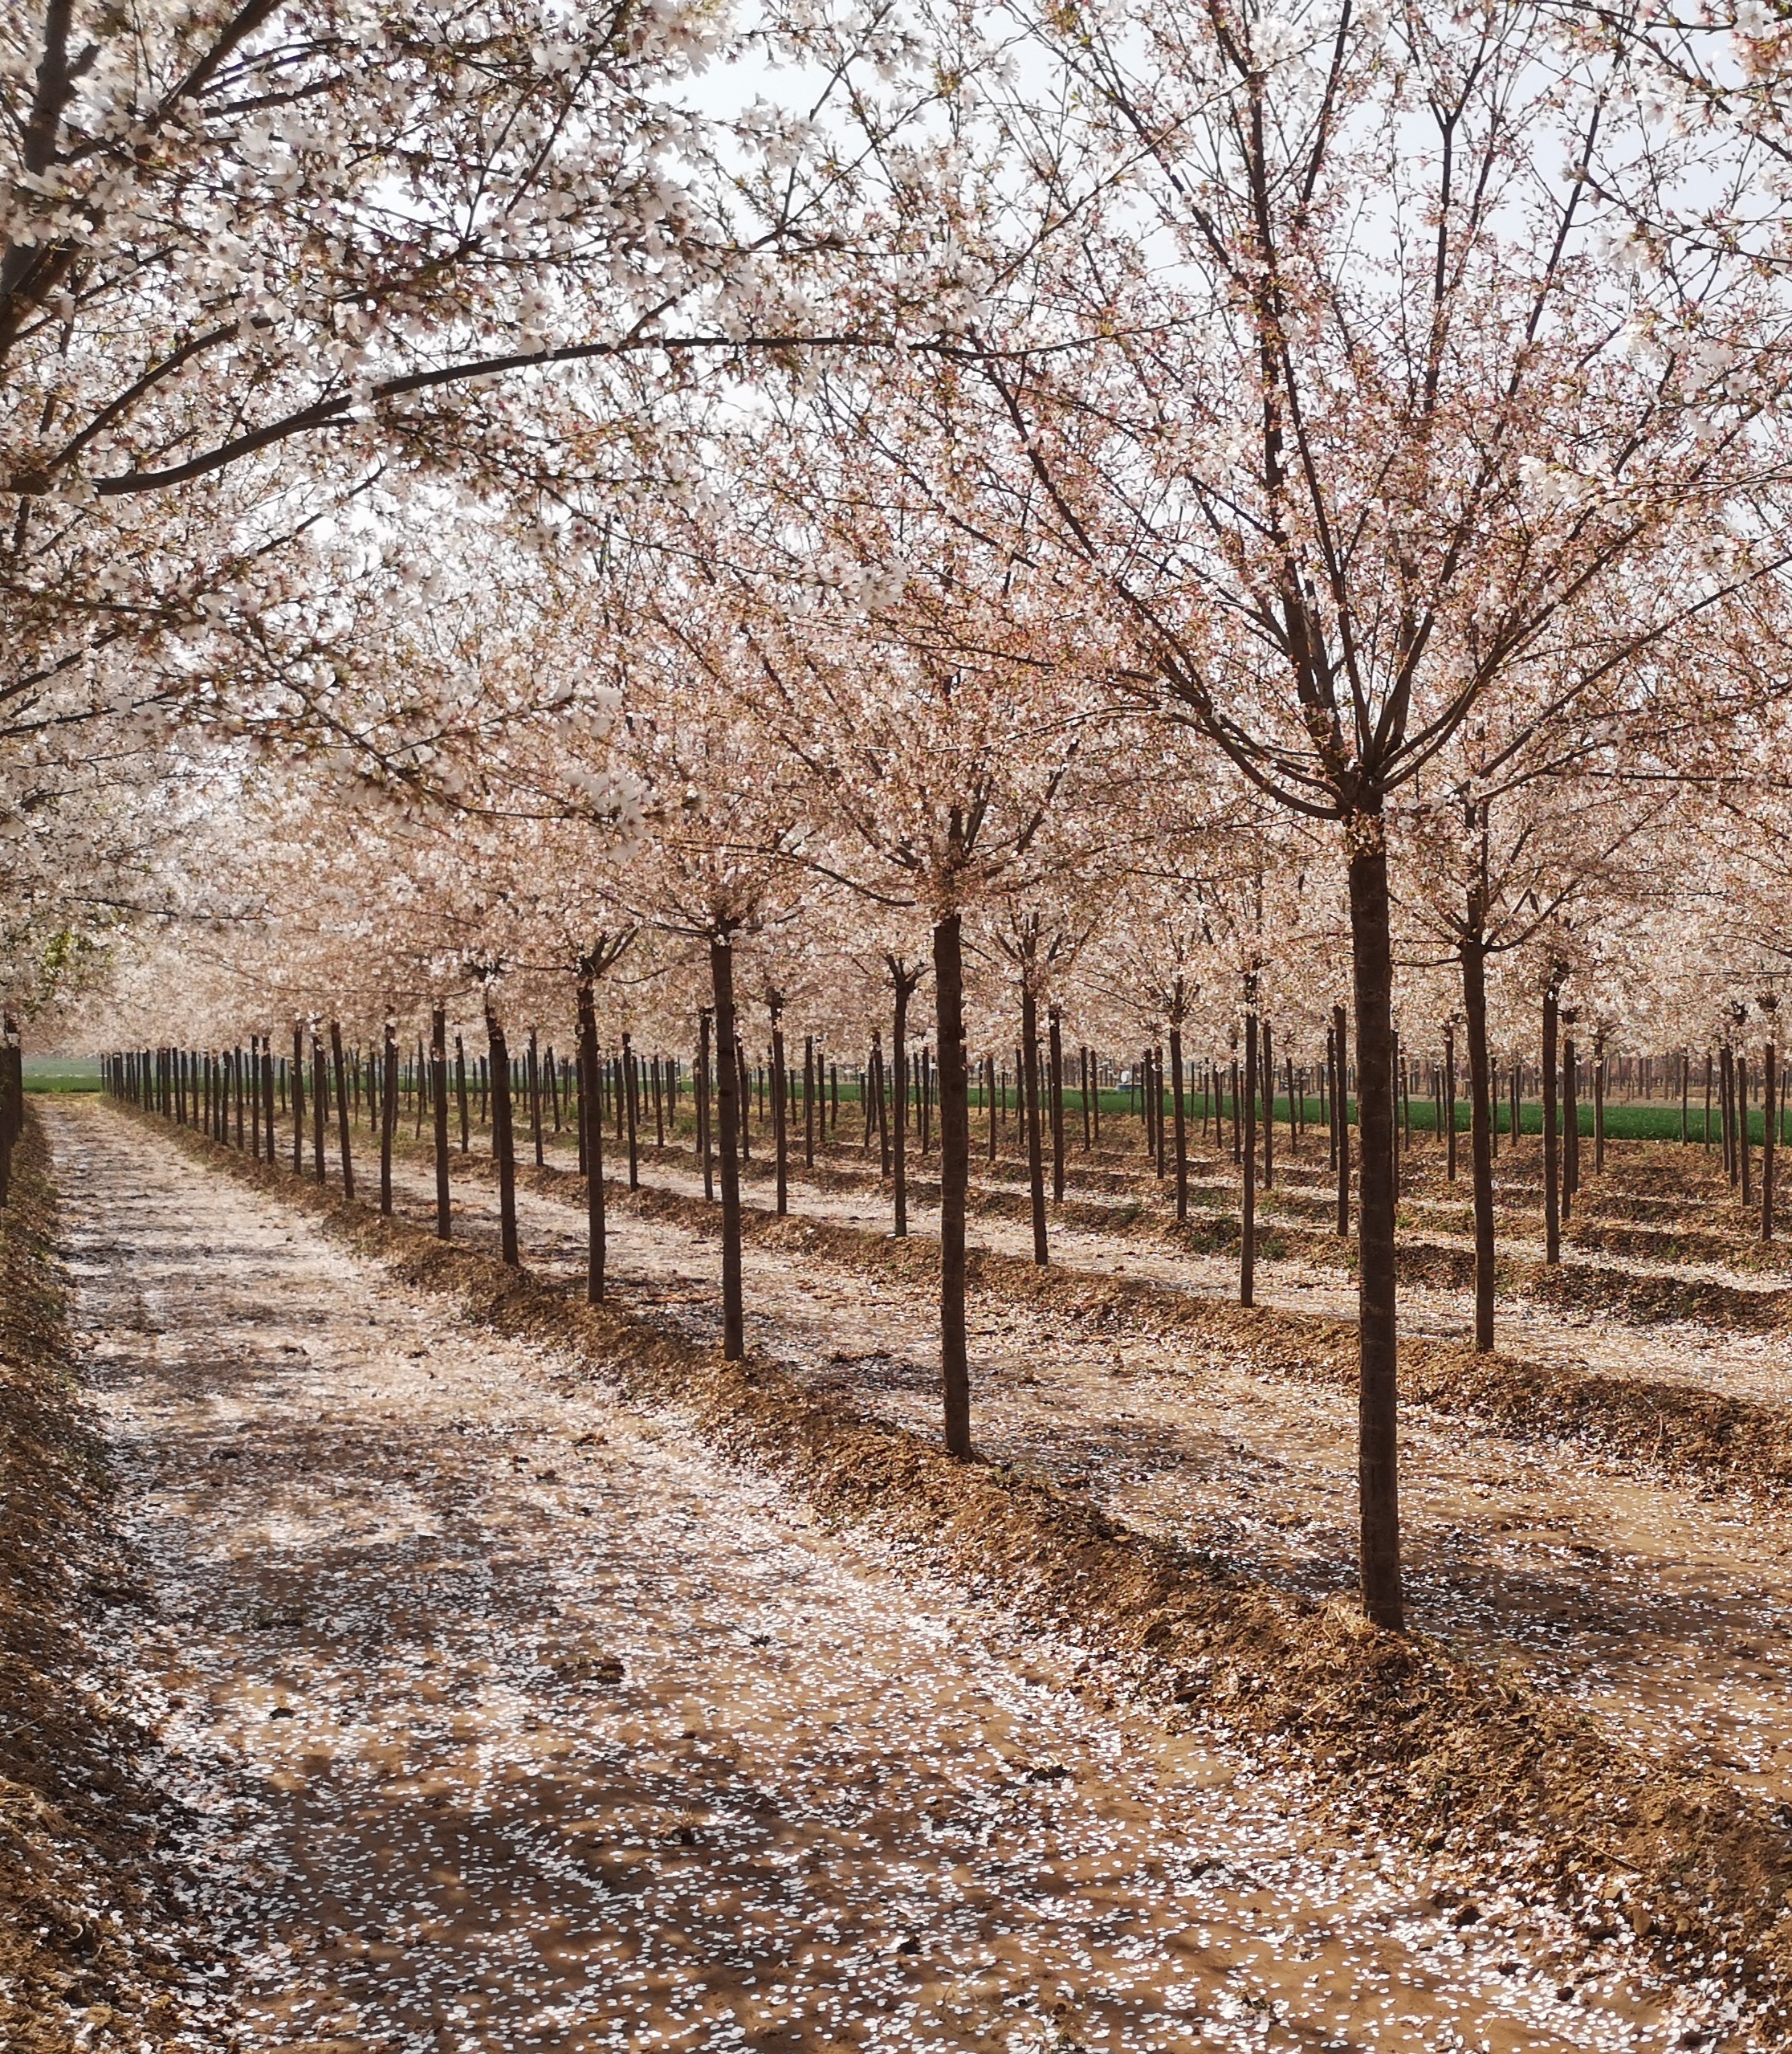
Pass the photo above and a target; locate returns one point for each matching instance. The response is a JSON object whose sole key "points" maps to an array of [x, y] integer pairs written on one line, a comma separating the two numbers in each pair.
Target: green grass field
{"points": [[62, 1074]]}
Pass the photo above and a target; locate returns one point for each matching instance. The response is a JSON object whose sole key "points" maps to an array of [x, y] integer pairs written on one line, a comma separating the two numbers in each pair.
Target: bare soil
{"points": [[506, 1718]]}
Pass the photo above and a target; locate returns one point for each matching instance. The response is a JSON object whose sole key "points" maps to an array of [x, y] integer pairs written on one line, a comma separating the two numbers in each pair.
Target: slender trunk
{"points": [[1599, 1107], [1266, 1078], [298, 1100], [592, 1119], [1571, 1121], [267, 1093], [321, 1096], [1378, 1461], [898, 1076], [1085, 1071], [734, 1320], [342, 1108], [389, 1112], [1035, 1158], [1055, 1043], [1770, 1106], [1480, 1139], [535, 1097], [1743, 1153], [439, 1089], [995, 1110], [1340, 1049], [1181, 1130], [1247, 1239], [460, 1095], [630, 1107], [503, 1143], [780, 1119], [1552, 1146], [809, 1097], [955, 1178], [1450, 1098], [705, 1101]]}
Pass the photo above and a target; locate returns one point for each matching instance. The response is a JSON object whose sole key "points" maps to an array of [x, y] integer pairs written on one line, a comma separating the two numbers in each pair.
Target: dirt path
{"points": [[1667, 1610], [508, 1722]]}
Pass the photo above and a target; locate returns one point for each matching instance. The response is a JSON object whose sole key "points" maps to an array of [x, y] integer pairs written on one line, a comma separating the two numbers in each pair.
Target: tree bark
{"points": [[780, 1117], [1378, 1401], [1770, 1106], [592, 1121], [342, 1107], [460, 1095], [503, 1139], [733, 1323], [1450, 1096], [955, 1178], [1340, 1104], [1480, 1139], [1055, 1043], [1266, 1078], [1552, 1146], [1182, 1128], [705, 1101], [298, 1098], [1570, 1118], [438, 1084], [628, 1095], [320, 1106], [1036, 1154], [388, 1111], [898, 1077], [1247, 1237]]}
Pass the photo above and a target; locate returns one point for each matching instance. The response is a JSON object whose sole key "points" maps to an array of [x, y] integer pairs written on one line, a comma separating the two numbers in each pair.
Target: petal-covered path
{"points": [[511, 1721]]}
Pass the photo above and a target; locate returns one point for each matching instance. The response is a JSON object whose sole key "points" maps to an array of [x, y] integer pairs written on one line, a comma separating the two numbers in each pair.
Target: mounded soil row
{"points": [[1474, 1766]]}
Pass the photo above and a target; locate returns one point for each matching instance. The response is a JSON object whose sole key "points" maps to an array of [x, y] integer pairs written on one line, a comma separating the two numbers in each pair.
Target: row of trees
{"points": [[1266, 488]]}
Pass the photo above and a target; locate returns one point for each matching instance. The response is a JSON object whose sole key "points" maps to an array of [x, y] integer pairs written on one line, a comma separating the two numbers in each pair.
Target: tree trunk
{"points": [[705, 1101], [388, 1111], [1266, 1077], [1247, 1237], [955, 1178], [898, 1076], [627, 1082], [1743, 1151], [320, 1105], [298, 1099], [1770, 1106], [503, 1140], [1377, 1445], [535, 1097], [1480, 1139], [1055, 1033], [438, 1082], [809, 1097], [1570, 1120], [1182, 1129], [1552, 1146], [733, 1323], [460, 1093], [780, 1119], [1341, 1024], [592, 1122], [342, 1108], [1450, 1096], [267, 1093], [1599, 1105], [1036, 1154]]}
